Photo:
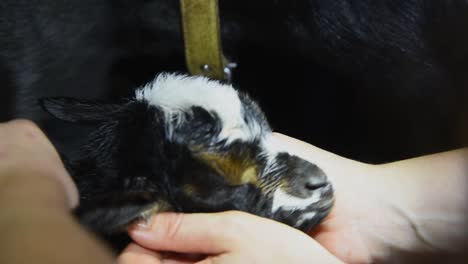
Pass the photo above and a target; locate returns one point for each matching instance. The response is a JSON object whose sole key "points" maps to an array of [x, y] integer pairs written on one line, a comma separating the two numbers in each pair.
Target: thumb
{"points": [[187, 233]]}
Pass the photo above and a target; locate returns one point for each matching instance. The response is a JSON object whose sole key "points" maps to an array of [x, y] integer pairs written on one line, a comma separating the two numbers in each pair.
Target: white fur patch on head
{"points": [[176, 94], [287, 202]]}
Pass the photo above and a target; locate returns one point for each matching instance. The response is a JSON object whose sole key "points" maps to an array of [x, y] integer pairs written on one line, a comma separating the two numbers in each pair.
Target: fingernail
{"points": [[143, 224]]}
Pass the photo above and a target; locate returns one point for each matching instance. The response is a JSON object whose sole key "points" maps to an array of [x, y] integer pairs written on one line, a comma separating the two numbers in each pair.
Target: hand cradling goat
{"points": [[186, 144]]}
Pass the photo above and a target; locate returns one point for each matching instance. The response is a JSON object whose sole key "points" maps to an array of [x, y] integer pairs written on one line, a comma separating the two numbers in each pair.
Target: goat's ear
{"points": [[74, 110]]}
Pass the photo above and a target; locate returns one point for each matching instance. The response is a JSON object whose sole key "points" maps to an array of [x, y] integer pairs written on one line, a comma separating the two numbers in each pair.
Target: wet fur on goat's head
{"points": [[187, 144]]}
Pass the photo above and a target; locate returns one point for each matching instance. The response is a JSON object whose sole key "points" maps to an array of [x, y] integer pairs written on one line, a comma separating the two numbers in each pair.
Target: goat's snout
{"points": [[314, 181], [306, 178]]}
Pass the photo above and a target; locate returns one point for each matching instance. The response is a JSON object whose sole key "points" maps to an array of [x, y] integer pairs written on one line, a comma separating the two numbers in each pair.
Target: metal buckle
{"points": [[228, 71]]}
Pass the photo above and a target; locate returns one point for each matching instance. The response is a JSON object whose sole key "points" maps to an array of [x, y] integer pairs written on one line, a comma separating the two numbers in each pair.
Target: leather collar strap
{"points": [[203, 50]]}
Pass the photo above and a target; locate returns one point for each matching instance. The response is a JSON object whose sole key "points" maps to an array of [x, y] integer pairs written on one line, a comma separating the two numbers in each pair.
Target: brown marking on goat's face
{"points": [[249, 175], [269, 187], [284, 185], [236, 170]]}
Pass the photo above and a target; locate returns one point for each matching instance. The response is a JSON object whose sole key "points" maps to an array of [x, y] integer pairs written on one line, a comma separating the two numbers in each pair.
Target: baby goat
{"points": [[187, 144]]}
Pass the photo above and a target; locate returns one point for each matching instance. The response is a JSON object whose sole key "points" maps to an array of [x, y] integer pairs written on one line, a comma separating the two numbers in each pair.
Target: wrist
{"points": [[394, 232], [423, 203]]}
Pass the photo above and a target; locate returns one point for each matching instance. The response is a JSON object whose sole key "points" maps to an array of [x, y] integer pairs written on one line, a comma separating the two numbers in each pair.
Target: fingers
{"points": [[210, 234], [194, 233], [189, 233], [230, 237], [201, 238], [137, 254]]}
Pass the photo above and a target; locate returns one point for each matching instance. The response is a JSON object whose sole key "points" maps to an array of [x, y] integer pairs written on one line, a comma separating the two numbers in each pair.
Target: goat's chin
{"points": [[307, 218], [304, 220]]}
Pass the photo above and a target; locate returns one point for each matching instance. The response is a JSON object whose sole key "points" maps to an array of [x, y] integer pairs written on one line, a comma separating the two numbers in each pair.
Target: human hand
{"points": [[36, 195], [229, 237], [409, 211], [27, 156]]}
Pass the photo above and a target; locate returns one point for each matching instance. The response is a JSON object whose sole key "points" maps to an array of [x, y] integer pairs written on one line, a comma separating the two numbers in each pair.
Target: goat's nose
{"points": [[311, 181], [314, 182], [304, 178]]}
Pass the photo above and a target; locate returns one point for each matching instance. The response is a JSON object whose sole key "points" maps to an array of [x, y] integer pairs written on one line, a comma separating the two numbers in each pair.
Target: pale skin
{"points": [[35, 196], [392, 213]]}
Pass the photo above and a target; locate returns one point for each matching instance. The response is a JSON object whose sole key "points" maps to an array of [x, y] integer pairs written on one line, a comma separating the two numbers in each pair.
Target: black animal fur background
{"points": [[371, 80]]}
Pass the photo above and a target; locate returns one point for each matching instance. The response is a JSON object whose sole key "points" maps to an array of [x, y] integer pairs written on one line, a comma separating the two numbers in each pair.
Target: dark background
{"points": [[375, 81]]}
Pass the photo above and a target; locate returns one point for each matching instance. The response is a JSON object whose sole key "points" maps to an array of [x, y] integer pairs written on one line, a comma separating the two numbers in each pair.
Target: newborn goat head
{"points": [[187, 144]]}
